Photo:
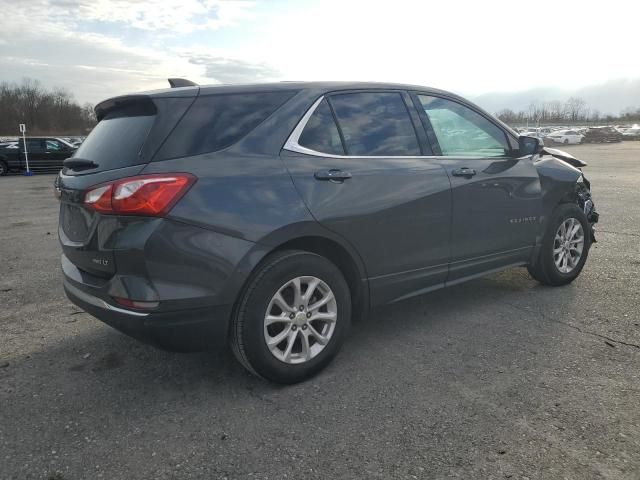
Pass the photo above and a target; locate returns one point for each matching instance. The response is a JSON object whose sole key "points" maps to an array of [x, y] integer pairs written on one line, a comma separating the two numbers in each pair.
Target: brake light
{"points": [[144, 195]]}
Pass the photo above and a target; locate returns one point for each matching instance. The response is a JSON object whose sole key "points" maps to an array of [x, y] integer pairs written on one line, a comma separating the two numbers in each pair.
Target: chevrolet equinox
{"points": [[269, 216]]}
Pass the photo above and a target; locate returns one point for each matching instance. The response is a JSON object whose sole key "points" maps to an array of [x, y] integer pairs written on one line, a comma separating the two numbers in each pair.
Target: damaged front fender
{"points": [[562, 181], [562, 155]]}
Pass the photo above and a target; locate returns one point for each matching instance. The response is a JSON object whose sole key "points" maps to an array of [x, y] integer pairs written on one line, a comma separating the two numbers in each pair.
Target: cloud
{"points": [[104, 62], [229, 70], [158, 15], [100, 48]]}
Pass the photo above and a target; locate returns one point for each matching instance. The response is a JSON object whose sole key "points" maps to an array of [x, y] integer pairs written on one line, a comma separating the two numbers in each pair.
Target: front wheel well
{"points": [[342, 259]]}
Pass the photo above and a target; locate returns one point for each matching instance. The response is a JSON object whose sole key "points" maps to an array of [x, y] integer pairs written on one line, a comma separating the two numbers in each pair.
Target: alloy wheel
{"points": [[568, 245], [300, 319]]}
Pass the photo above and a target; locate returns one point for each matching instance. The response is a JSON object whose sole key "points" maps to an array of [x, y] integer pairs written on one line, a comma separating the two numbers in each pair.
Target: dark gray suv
{"points": [[271, 215]]}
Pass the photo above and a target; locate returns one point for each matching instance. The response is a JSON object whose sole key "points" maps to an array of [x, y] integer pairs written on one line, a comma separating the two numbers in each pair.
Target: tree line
{"points": [[573, 111], [44, 111]]}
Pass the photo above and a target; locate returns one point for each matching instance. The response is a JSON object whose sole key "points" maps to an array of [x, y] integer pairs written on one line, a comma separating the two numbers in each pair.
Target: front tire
{"points": [[4, 168], [292, 318], [564, 248]]}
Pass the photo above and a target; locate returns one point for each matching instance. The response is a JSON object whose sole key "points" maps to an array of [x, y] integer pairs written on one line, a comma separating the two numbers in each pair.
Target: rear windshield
{"points": [[117, 140], [215, 122]]}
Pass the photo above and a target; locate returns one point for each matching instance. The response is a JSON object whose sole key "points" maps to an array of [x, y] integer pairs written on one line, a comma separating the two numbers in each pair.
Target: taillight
{"points": [[145, 195]]}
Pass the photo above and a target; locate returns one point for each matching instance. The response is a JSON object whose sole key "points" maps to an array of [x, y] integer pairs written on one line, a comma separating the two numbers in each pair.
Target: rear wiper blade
{"points": [[79, 163]]}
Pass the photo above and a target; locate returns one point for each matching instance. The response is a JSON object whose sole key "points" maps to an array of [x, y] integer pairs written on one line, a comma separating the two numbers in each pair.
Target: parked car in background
{"points": [[546, 131], [303, 205], [602, 135], [632, 133], [567, 137], [533, 132], [75, 141], [44, 153]]}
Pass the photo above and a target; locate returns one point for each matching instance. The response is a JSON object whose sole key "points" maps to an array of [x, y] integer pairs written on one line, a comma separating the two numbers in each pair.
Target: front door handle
{"points": [[463, 172], [333, 174]]}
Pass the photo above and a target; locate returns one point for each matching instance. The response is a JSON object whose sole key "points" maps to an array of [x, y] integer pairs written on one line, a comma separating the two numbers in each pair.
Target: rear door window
{"points": [[463, 132], [35, 146], [375, 124], [321, 132], [215, 122]]}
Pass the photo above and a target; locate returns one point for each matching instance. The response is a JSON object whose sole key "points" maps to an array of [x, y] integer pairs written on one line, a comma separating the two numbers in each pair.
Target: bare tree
{"points": [[44, 112], [575, 108]]}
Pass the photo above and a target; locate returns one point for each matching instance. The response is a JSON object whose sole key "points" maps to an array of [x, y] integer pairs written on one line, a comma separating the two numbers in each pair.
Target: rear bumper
{"points": [[193, 329], [194, 275]]}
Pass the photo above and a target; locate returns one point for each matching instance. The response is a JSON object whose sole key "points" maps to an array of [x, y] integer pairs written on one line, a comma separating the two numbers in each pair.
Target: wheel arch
{"points": [[342, 256], [343, 260]]}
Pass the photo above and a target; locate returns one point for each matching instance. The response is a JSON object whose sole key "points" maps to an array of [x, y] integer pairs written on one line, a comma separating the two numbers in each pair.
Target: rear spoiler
{"points": [[137, 104], [142, 103]]}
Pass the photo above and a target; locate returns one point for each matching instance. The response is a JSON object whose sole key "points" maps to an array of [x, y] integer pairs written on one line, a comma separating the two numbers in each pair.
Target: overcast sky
{"points": [[100, 48]]}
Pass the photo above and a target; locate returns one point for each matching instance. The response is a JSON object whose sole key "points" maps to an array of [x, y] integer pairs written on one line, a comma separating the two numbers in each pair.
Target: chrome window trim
{"points": [[292, 144]]}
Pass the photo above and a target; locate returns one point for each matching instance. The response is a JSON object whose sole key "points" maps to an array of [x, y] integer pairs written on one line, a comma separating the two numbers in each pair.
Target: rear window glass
{"points": [[116, 141], [218, 121], [321, 133], [375, 124]]}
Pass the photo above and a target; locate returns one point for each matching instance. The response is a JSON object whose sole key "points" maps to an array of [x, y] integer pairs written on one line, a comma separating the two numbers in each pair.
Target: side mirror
{"points": [[529, 145]]}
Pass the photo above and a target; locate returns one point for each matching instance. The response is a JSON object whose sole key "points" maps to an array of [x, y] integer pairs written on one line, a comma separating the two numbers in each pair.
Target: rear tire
{"points": [[558, 262], [270, 309], [4, 168]]}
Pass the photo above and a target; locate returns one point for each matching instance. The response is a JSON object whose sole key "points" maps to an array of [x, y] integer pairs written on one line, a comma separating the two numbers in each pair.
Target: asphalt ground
{"points": [[496, 378]]}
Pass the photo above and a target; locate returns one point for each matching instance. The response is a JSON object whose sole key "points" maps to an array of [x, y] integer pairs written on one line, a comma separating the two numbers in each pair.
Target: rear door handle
{"points": [[463, 172], [334, 174]]}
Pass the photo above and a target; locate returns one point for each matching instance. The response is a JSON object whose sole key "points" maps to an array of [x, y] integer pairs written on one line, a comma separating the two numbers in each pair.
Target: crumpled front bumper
{"points": [[585, 201]]}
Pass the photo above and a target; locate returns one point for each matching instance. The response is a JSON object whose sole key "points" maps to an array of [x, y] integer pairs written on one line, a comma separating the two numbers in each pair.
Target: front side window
{"points": [[375, 124], [53, 146], [321, 133], [462, 132]]}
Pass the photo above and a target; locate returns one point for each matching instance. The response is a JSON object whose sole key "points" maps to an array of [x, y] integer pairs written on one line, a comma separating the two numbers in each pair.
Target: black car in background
{"points": [[268, 216], [602, 135], [44, 153]]}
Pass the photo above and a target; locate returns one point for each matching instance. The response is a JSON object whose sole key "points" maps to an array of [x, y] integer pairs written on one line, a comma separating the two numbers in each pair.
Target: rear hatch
{"points": [[129, 132]]}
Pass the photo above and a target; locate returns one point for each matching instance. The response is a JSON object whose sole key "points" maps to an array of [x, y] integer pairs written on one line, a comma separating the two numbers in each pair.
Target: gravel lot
{"points": [[496, 378]]}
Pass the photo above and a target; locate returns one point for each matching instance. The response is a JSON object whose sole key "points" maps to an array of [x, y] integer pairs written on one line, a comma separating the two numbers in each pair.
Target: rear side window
{"points": [[35, 146], [321, 133], [215, 122], [375, 124], [116, 141]]}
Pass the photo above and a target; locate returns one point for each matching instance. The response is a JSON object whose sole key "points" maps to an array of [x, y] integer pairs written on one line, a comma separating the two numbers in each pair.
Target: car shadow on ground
{"points": [[110, 361]]}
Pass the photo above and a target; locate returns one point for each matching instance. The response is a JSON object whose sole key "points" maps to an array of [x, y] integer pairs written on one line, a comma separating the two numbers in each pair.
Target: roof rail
{"points": [[181, 82]]}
